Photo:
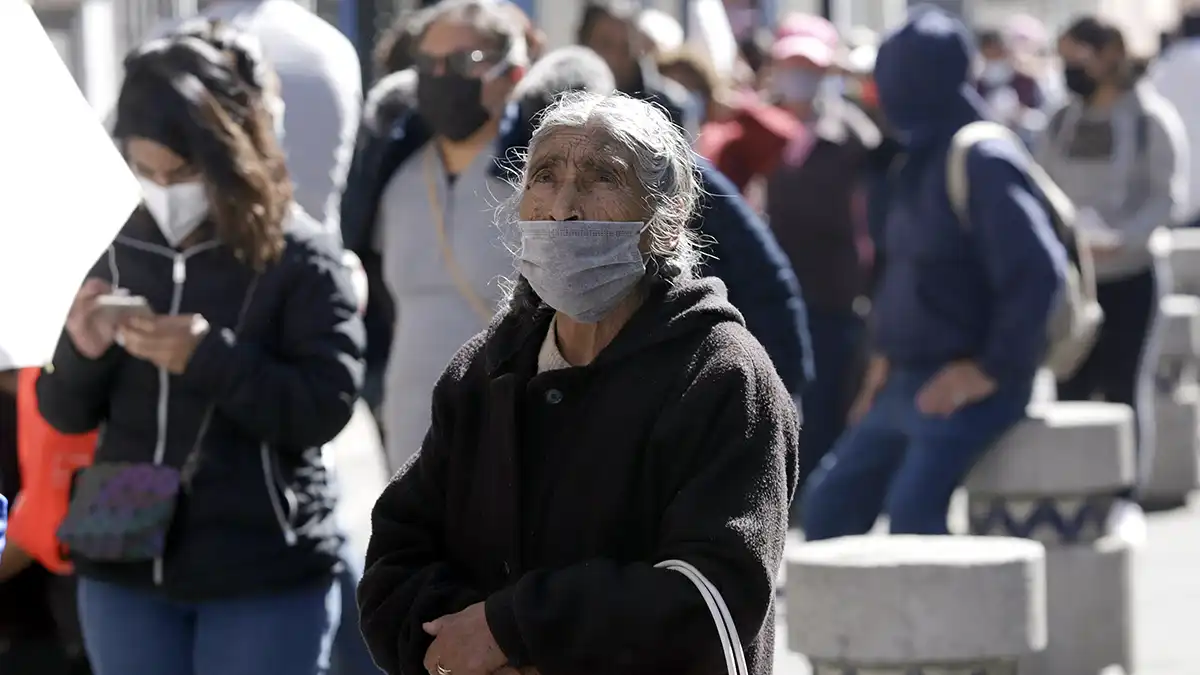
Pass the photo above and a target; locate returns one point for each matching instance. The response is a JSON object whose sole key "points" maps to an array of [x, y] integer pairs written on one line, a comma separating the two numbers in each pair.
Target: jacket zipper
{"points": [[273, 489], [178, 279]]}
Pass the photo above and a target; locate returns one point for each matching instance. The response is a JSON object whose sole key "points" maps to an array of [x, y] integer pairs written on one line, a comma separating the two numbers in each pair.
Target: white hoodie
{"points": [[1176, 76]]}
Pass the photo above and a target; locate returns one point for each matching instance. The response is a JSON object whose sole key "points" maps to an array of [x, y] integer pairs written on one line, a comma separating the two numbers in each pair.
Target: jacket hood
{"points": [[670, 311], [923, 73]]}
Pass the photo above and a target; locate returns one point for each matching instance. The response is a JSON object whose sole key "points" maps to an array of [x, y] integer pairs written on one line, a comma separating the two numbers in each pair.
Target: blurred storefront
{"points": [[92, 35]]}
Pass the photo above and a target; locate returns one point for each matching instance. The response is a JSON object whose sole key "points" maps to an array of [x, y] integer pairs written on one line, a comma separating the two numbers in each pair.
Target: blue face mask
{"points": [[797, 86], [581, 268]]}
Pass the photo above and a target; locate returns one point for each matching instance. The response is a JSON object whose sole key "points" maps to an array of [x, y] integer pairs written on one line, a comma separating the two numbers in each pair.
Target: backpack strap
{"points": [[957, 184]]}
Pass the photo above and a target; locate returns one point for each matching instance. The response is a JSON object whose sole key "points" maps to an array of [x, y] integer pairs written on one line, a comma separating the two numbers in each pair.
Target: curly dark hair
{"points": [[202, 92]]}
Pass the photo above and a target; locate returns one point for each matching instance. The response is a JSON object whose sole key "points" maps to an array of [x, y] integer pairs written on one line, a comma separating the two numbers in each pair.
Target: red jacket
{"points": [[750, 143]]}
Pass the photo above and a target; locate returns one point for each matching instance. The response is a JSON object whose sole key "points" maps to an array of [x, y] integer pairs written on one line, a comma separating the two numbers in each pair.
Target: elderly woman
{"points": [[615, 415]]}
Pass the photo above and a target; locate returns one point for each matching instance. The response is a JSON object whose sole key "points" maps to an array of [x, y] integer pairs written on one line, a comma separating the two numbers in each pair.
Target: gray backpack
{"points": [[1076, 316]]}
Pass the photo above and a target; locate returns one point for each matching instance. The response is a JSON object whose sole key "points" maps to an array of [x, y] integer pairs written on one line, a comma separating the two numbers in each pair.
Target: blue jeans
{"points": [[130, 631], [903, 462], [350, 655]]}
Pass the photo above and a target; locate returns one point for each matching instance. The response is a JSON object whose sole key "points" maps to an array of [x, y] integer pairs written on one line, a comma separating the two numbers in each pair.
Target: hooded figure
{"points": [[961, 309]]}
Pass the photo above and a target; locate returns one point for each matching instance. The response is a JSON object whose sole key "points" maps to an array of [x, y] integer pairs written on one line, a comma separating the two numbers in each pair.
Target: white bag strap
{"points": [[958, 185], [735, 658]]}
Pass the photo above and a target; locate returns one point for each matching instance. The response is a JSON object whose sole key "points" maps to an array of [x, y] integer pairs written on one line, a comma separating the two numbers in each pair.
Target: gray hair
{"points": [[571, 68], [498, 24], [662, 160]]}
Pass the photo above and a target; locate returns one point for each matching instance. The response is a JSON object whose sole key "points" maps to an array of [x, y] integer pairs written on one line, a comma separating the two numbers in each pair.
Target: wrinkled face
{"points": [[582, 174], [155, 162], [614, 40]]}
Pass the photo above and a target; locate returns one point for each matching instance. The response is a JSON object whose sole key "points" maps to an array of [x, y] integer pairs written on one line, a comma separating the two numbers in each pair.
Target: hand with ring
{"points": [[463, 645]]}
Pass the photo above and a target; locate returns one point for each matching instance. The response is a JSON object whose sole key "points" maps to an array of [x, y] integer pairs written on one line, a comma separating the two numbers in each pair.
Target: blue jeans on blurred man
{"points": [[905, 463]]}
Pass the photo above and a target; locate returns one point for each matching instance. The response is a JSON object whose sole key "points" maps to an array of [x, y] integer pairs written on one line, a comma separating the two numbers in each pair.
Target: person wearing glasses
{"points": [[419, 208]]}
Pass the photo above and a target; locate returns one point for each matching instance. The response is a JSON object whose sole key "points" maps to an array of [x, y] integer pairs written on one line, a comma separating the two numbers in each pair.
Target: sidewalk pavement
{"points": [[1167, 598]]}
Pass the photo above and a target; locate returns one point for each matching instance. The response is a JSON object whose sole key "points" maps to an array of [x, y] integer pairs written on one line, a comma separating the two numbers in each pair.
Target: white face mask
{"points": [[996, 73], [178, 209]]}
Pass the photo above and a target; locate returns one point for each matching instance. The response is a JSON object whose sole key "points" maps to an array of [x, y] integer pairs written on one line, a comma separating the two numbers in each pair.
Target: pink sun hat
{"points": [[808, 37]]}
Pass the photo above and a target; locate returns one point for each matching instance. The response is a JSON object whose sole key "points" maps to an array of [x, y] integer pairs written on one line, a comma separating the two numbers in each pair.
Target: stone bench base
{"points": [[989, 668], [915, 602], [1175, 468], [1089, 604]]}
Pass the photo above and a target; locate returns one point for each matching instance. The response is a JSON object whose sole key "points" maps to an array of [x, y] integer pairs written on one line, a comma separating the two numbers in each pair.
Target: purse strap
{"points": [[731, 644], [192, 463], [439, 222]]}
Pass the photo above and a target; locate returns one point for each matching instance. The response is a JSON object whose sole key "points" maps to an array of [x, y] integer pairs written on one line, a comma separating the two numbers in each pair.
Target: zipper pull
{"points": [[179, 272]]}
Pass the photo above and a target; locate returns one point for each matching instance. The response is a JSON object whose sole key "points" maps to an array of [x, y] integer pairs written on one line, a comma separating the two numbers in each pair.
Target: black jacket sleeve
{"points": [[407, 581], [759, 277], [73, 390], [303, 396], [728, 519]]}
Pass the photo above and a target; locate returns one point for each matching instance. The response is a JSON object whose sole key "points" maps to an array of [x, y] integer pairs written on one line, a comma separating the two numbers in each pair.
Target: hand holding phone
{"points": [[115, 307]]}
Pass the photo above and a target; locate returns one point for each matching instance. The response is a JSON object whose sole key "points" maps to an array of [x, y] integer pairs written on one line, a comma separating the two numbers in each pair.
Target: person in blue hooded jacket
{"points": [[961, 308]]}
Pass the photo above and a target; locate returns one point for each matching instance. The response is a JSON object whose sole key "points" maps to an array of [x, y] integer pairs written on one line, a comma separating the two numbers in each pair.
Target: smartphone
{"points": [[115, 307]]}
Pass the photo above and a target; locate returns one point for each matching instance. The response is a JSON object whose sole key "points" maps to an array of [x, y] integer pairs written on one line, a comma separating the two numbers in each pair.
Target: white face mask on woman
{"points": [[582, 268], [177, 209]]}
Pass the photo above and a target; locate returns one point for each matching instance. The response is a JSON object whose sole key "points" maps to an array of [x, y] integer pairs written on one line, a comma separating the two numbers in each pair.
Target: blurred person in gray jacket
{"points": [[1119, 151]]}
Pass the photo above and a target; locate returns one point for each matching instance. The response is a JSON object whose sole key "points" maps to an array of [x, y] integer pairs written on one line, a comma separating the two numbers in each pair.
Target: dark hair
{"points": [[1096, 33], [201, 93], [1101, 36], [1189, 25], [596, 10], [989, 37], [394, 50], [755, 49]]}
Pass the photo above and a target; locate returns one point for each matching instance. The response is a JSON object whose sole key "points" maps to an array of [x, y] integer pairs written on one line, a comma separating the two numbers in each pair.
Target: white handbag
{"points": [[735, 659]]}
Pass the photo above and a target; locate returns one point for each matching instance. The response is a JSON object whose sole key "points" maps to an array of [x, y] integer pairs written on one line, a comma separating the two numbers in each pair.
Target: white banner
{"points": [[65, 191]]}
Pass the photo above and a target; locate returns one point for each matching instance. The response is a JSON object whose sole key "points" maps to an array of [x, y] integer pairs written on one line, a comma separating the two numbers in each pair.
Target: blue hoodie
{"points": [[981, 290]]}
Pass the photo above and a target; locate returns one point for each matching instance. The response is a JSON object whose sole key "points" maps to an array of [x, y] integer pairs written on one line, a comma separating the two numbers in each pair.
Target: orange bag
{"points": [[48, 460]]}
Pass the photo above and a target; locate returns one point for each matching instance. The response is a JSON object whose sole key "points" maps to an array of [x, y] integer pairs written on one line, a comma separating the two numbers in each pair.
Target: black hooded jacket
{"points": [[258, 516], [551, 496]]}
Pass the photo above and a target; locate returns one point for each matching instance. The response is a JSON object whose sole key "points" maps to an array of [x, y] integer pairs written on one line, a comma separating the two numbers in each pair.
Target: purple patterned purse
{"points": [[121, 512]]}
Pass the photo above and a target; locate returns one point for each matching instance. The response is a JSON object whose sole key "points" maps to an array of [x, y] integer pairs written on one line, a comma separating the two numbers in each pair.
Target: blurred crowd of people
{"points": [[309, 252]]}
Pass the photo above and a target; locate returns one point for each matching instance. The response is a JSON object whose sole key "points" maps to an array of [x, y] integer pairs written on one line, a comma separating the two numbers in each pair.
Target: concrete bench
{"points": [[908, 605], [1173, 472], [1055, 479], [1177, 252]]}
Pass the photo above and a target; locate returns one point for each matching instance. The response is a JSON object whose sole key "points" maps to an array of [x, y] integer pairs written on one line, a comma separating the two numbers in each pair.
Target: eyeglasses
{"points": [[459, 63]]}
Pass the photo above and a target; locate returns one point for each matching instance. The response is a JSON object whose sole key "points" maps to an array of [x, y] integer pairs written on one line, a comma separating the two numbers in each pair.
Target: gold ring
{"points": [[442, 670]]}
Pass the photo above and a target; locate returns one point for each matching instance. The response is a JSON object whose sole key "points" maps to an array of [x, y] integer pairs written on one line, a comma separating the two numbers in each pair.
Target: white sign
{"points": [[65, 191]]}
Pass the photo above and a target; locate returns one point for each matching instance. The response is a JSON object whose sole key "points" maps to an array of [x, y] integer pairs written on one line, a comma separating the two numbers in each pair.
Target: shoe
{"points": [[1127, 522]]}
